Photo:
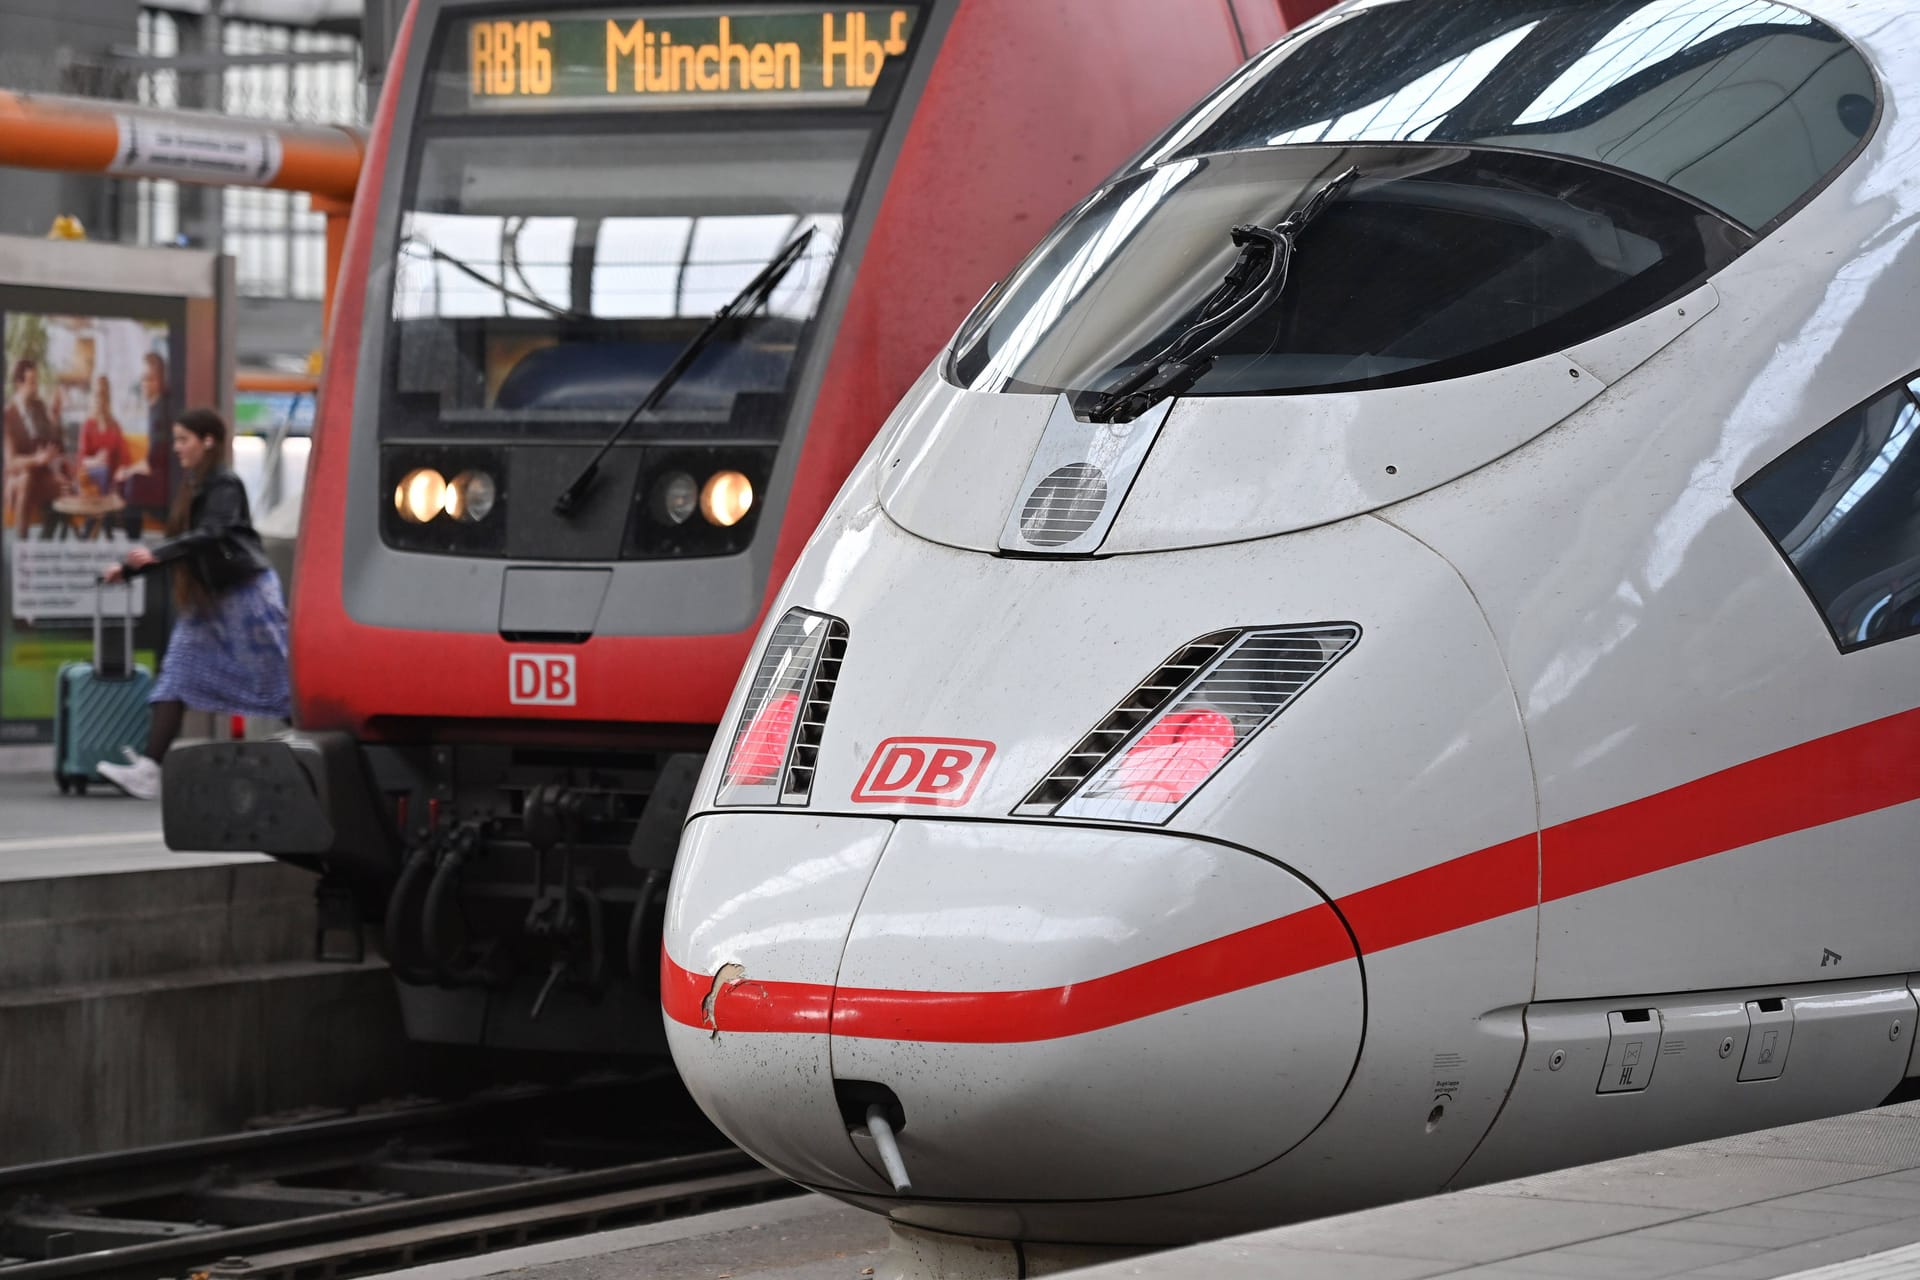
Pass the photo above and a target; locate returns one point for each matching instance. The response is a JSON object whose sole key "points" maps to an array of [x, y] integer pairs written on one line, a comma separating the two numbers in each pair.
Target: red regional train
{"points": [[627, 291]]}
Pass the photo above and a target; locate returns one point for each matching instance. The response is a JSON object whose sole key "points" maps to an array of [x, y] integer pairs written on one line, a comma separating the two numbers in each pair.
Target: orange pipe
{"points": [[337, 212], [84, 135], [264, 380]]}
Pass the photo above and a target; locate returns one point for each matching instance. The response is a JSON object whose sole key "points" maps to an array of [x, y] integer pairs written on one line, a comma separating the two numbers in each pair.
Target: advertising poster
{"points": [[88, 416]]}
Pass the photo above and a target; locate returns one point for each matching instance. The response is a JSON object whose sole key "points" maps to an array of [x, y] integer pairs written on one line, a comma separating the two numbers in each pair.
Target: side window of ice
{"points": [[1843, 506]]}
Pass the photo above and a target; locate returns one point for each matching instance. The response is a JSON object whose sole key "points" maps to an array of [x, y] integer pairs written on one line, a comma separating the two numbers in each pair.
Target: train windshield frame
{"points": [[1531, 174], [554, 253]]}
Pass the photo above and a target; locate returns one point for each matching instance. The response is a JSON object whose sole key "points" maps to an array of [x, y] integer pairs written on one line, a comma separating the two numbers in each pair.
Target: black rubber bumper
{"points": [[304, 797]]}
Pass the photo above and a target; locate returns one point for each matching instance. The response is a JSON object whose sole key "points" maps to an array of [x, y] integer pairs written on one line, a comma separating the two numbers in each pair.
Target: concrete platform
{"points": [[148, 996], [808, 1237], [44, 834], [1834, 1199]]}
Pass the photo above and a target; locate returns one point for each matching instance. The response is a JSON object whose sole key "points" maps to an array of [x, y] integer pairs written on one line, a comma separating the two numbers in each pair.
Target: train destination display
{"points": [[680, 57]]}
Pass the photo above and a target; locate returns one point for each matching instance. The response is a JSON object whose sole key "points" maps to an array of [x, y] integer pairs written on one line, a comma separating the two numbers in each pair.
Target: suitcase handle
{"points": [[100, 586]]}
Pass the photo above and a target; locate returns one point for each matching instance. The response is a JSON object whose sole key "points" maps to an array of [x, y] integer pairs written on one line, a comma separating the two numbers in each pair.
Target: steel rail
{"points": [[658, 1183], [488, 1233], [141, 1172]]}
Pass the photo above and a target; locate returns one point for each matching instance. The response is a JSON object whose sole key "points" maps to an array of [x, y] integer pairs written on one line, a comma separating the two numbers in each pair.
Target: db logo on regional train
{"points": [[941, 771], [541, 680]]}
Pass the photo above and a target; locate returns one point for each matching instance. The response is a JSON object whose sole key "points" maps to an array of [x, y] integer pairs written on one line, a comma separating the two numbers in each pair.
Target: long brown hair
{"points": [[189, 592], [158, 368]]}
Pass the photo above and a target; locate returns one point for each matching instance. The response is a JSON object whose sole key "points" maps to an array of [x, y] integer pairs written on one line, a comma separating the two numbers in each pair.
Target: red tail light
{"points": [[1186, 720], [762, 750], [1175, 756], [775, 743]]}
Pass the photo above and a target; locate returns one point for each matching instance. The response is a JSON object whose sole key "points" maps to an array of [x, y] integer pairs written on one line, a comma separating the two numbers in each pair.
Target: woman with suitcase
{"points": [[227, 652]]}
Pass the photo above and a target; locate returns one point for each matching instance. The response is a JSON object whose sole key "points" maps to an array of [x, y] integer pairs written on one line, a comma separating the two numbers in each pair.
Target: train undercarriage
{"points": [[516, 892]]}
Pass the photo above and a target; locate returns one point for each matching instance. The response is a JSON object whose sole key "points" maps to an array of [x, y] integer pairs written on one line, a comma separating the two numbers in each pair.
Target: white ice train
{"points": [[1385, 656]]}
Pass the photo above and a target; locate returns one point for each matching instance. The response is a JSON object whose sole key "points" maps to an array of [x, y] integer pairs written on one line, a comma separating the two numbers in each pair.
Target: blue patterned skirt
{"points": [[233, 659]]}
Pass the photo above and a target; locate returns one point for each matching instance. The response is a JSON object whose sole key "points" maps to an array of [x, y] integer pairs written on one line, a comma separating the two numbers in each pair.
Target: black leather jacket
{"points": [[221, 548]]}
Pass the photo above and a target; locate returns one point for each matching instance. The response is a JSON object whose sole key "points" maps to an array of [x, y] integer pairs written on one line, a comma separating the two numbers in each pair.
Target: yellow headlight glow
{"points": [[726, 498], [421, 495]]}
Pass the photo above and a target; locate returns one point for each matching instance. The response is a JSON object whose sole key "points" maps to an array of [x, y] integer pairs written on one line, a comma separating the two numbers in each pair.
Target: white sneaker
{"points": [[139, 777]]}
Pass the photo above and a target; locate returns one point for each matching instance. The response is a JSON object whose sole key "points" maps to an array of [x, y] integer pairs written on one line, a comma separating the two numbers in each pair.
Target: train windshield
{"points": [[585, 194], [1747, 106], [1431, 263], [1530, 174]]}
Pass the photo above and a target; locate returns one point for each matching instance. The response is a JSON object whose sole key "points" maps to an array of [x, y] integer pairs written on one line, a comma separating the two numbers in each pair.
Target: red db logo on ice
{"points": [[941, 771], [541, 679]]}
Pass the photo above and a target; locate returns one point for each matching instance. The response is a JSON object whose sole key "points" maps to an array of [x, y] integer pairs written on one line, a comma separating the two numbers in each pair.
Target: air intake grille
{"points": [[1147, 697], [813, 715], [1064, 505], [1235, 679]]}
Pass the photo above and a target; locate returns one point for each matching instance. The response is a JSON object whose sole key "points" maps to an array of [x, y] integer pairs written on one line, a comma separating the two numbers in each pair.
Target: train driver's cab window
{"points": [[1524, 176], [1843, 506], [543, 282]]}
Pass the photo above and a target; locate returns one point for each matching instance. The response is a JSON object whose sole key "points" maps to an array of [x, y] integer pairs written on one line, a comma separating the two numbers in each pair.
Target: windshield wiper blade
{"points": [[1265, 255], [751, 295]]}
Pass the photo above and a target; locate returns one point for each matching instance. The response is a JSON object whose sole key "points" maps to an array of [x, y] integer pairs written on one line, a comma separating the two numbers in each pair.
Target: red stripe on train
{"points": [[1839, 776], [1845, 774], [1305, 940]]}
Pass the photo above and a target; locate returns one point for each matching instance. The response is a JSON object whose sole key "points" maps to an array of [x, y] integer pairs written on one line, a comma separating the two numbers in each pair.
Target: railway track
{"points": [[357, 1194]]}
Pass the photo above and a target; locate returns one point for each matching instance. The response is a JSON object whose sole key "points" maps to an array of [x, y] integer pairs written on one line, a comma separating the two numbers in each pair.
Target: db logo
{"points": [[541, 679], [940, 771]]}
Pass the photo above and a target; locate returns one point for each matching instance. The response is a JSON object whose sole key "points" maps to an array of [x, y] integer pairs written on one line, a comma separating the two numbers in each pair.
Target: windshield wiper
{"points": [[1265, 255], [751, 295]]}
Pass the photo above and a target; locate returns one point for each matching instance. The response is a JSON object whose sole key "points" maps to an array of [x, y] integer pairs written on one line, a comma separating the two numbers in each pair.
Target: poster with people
{"points": [[87, 421]]}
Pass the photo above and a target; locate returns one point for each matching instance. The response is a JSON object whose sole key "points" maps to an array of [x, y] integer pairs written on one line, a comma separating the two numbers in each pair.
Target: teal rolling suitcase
{"points": [[100, 707]]}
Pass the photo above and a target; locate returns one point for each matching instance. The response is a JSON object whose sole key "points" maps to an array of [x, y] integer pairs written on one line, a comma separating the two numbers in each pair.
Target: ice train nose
{"points": [[1061, 1013]]}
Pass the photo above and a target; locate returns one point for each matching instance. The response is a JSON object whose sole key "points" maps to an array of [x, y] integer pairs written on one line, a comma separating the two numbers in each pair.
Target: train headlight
{"points": [[421, 495], [447, 499], [1182, 723], [675, 497], [470, 496], [771, 758], [1175, 755], [727, 498], [761, 752]]}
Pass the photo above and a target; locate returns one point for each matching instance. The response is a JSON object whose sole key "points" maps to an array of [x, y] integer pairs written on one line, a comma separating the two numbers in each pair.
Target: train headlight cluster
{"points": [[777, 741], [423, 495], [680, 501], [1182, 723], [723, 500]]}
